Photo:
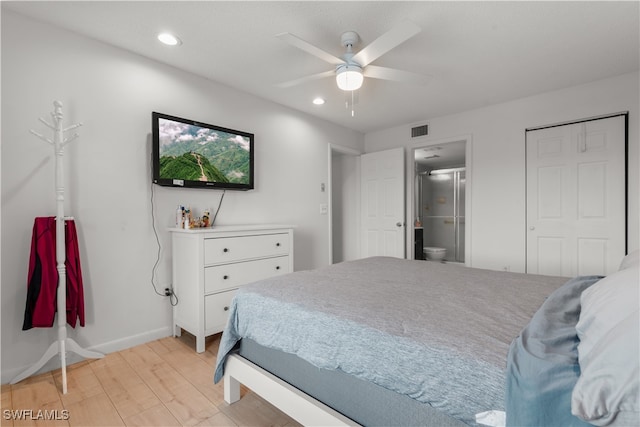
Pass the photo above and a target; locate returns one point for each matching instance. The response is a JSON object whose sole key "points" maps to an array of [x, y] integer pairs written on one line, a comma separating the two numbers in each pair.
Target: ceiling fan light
{"points": [[349, 77]]}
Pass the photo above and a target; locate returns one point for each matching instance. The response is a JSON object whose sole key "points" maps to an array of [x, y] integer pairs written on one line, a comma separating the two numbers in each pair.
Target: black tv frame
{"points": [[180, 183]]}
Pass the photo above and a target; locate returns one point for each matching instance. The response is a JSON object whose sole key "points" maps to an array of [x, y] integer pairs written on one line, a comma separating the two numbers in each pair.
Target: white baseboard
{"points": [[104, 348], [132, 341]]}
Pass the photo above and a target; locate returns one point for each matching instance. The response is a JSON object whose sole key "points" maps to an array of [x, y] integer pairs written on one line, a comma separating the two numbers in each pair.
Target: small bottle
{"points": [[186, 222], [179, 215]]}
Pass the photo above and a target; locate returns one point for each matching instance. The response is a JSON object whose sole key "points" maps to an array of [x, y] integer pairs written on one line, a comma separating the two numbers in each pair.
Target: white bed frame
{"points": [[293, 402]]}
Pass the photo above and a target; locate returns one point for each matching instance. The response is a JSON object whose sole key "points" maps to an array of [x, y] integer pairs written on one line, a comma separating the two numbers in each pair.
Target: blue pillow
{"points": [[542, 364]]}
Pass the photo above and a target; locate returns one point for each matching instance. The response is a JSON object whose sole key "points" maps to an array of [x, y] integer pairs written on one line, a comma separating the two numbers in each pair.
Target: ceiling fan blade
{"points": [[386, 42], [309, 48], [385, 73], [306, 79]]}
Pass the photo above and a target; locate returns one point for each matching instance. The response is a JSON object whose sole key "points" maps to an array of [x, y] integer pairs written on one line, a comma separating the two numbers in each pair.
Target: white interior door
{"points": [[382, 203], [576, 198]]}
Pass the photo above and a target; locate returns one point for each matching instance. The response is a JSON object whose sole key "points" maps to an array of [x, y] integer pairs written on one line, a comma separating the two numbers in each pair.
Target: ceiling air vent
{"points": [[419, 131]]}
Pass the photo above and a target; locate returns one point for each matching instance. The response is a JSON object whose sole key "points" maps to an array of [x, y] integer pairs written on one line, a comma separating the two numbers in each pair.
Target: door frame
{"points": [[419, 144], [334, 148]]}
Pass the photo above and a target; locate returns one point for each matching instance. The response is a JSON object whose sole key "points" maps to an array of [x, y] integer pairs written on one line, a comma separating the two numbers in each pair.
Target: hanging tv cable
{"points": [[215, 215]]}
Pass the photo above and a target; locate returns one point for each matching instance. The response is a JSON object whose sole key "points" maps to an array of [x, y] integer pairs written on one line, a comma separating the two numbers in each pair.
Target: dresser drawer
{"points": [[209, 265], [216, 310], [226, 276], [229, 249]]}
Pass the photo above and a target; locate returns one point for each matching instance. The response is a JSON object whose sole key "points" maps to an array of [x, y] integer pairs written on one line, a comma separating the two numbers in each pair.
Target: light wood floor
{"points": [[161, 383]]}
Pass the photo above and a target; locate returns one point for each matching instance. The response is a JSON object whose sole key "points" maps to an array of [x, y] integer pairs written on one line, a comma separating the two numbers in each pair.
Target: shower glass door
{"points": [[443, 195]]}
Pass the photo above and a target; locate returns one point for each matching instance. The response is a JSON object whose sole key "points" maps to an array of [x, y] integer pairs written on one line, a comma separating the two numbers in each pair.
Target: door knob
{"points": [[398, 224]]}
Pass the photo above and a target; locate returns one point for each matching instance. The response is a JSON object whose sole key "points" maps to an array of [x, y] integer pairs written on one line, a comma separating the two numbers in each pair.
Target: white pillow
{"points": [[608, 390], [630, 260]]}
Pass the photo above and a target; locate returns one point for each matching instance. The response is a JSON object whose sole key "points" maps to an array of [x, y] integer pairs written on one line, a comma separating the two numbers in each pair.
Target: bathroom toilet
{"points": [[434, 254]]}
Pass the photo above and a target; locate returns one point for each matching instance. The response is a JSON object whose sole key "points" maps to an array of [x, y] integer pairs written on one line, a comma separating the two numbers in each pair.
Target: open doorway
{"points": [[344, 204], [441, 202]]}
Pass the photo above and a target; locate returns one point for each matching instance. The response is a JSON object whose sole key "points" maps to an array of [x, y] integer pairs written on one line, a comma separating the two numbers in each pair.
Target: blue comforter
{"points": [[542, 365], [434, 332]]}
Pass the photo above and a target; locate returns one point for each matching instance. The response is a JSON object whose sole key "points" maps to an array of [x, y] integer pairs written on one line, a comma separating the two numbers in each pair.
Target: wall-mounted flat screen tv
{"points": [[187, 153]]}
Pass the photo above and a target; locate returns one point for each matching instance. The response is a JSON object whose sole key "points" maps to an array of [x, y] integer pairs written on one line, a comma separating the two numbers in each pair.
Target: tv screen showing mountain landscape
{"points": [[197, 153]]}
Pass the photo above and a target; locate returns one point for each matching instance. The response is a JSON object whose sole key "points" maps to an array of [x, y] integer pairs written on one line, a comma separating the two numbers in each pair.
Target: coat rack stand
{"points": [[64, 343]]}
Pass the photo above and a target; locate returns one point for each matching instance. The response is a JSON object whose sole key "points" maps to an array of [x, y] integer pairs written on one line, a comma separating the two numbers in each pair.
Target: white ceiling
{"points": [[478, 53]]}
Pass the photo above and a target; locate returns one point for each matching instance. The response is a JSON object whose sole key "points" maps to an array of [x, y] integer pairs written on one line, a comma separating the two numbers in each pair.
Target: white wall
{"points": [[498, 159], [108, 189]]}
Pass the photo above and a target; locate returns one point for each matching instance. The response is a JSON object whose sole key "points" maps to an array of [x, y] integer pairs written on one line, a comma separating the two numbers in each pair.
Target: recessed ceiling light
{"points": [[169, 39], [318, 101]]}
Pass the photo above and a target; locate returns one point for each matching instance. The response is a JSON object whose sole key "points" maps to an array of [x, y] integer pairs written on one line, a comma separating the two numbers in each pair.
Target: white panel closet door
{"points": [[576, 198], [382, 204]]}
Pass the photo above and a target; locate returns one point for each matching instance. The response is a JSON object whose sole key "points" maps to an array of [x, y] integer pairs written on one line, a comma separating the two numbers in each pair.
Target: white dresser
{"points": [[210, 264]]}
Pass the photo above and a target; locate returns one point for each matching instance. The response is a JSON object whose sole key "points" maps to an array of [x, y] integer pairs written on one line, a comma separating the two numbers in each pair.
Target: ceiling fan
{"points": [[351, 69]]}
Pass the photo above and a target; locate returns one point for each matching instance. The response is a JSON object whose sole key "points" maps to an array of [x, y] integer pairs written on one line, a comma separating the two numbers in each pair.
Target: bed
{"points": [[385, 341]]}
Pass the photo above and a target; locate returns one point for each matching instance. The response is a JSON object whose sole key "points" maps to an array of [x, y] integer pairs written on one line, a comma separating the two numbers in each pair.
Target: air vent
{"points": [[419, 131]]}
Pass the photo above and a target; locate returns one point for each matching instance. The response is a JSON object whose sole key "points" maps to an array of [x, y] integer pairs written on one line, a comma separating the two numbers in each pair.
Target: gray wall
{"points": [[108, 178]]}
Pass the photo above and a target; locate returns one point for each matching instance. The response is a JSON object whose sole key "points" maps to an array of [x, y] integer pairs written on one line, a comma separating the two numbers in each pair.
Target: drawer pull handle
{"points": [[225, 277], [226, 308], [277, 267], [278, 244], [225, 250]]}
